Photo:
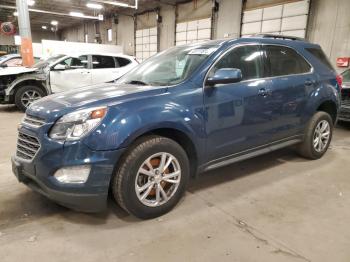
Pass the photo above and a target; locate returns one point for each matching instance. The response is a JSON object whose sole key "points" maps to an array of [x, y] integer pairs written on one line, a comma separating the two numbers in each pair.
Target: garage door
{"points": [[193, 31], [286, 19], [146, 43]]}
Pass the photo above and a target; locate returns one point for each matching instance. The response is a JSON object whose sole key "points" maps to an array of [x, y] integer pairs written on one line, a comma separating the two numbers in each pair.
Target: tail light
{"points": [[339, 79]]}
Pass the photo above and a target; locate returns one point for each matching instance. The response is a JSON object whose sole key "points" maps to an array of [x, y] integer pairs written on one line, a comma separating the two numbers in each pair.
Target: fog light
{"points": [[73, 174]]}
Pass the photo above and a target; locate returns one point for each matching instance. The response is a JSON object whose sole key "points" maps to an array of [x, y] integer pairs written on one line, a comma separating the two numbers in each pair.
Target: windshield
{"points": [[169, 67], [346, 76], [4, 57], [46, 62]]}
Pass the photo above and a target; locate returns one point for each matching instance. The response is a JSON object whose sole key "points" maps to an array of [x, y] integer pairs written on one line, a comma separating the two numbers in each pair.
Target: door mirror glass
{"points": [[225, 76], [60, 67]]}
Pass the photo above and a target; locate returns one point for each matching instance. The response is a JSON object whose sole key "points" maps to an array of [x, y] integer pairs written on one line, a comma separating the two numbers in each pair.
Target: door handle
{"points": [[309, 82], [262, 92], [88, 72]]}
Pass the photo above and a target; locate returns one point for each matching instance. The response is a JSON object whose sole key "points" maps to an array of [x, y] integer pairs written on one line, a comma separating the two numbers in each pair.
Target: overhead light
{"points": [[117, 3], [44, 27], [30, 2], [94, 6], [15, 13], [54, 22], [77, 14]]}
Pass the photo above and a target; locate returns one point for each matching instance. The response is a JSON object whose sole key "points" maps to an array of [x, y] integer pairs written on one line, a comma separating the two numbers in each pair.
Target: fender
{"points": [[42, 78], [324, 92], [125, 124]]}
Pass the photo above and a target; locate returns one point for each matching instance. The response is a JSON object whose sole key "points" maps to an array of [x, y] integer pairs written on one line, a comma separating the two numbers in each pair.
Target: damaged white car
{"points": [[24, 85]]}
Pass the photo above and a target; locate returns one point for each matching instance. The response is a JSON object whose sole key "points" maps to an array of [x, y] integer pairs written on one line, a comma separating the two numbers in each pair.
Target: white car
{"points": [[23, 85]]}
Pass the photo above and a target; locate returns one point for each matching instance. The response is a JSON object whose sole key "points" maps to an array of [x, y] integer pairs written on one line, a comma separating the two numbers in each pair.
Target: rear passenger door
{"points": [[104, 69], [291, 80]]}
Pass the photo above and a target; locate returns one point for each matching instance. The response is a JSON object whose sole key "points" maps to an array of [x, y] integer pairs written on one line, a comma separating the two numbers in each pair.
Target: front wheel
{"points": [[317, 137], [26, 95], [152, 177]]}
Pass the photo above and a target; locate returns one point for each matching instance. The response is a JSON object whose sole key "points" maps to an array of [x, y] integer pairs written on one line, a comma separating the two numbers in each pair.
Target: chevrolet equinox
{"points": [[186, 110]]}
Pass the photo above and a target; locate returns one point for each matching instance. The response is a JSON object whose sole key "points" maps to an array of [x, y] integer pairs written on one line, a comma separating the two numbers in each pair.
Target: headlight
{"points": [[76, 125]]}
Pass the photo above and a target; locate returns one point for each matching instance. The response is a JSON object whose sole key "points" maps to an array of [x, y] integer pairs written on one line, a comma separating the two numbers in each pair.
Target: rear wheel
{"points": [[152, 177], [318, 136], [26, 95]]}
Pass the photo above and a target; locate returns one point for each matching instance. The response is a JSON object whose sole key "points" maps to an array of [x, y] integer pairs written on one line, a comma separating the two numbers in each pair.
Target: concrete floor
{"points": [[277, 207]]}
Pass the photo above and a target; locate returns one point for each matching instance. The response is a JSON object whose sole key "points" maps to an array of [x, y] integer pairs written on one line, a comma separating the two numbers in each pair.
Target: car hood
{"points": [[56, 105], [16, 70]]}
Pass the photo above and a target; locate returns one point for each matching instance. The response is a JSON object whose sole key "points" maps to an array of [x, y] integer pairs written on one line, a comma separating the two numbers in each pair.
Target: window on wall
{"points": [[193, 31], [109, 35], [285, 19], [146, 43]]}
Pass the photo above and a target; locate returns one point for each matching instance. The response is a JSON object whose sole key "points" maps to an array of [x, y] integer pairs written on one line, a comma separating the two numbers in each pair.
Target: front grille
{"points": [[27, 146], [33, 121]]}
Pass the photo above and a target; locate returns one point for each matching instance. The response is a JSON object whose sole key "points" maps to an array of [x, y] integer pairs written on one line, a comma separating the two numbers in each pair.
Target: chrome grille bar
{"points": [[33, 121], [27, 146]]}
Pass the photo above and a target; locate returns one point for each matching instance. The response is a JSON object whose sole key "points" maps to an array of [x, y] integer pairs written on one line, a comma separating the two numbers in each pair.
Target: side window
{"points": [[122, 61], [75, 62], [319, 54], [99, 62], [285, 61], [246, 58]]}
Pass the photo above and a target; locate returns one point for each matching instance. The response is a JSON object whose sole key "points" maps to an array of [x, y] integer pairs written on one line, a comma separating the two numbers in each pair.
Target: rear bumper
{"points": [[344, 113]]}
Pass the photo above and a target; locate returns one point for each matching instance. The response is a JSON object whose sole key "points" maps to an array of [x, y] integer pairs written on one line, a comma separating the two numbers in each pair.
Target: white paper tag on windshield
{"points": [[199, 51]]}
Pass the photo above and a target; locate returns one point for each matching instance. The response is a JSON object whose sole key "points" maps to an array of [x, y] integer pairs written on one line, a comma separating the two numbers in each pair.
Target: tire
{"points": [[127, 180], [32, 93], [307, 148]]}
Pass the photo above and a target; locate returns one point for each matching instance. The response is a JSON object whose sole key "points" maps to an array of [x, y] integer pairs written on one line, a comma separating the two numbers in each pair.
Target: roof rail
{"points": [[284, 37]]}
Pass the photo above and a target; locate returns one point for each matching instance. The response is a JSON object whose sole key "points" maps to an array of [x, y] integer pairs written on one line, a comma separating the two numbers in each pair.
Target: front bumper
{"points": [[38, 173]]}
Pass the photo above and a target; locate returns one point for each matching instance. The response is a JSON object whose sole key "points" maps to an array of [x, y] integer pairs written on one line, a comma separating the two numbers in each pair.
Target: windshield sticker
{"points": [[206, 51]]}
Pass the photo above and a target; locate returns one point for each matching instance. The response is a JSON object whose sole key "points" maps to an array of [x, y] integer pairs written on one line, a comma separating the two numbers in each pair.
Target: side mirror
{"points": [[59, 67], [225, 76]]}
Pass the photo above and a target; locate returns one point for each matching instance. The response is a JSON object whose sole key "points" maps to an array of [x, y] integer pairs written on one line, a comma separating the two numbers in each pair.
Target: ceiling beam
{"points": [[52, 13]]}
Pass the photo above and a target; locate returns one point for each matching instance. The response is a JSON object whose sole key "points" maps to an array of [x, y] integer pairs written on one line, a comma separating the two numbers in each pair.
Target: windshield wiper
{"points": [[137, 82]]}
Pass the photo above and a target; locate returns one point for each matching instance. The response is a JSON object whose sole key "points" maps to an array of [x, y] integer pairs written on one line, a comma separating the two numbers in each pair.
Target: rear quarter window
{"points": [[122, 61], [320, 55]]}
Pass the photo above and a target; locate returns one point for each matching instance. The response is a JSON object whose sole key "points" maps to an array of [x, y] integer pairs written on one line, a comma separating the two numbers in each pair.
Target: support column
{"points": [[25, 32]]}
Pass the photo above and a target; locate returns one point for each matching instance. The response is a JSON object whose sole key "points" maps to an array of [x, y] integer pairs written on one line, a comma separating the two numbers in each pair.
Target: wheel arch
{"points": [[179, 136], [26, 82], [329, 107]]}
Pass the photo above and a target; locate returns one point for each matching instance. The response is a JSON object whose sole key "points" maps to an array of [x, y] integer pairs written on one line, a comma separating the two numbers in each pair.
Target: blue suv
{"points": [[186, 110]]}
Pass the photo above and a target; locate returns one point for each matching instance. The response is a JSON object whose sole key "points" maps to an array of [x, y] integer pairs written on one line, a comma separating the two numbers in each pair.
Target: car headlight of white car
{"points": [[78, 124]]}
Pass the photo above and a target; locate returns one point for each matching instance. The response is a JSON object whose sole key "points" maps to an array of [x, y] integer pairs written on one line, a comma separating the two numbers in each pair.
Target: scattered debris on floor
{"points": [[32, 238]]}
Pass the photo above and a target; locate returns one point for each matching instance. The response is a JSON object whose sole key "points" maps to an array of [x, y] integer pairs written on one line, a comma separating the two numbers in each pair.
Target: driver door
{"points": [[76, 74], [238, 114]]}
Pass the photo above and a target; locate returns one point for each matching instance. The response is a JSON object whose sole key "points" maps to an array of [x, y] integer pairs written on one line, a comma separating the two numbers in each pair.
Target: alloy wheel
{"points": [[158, 179], [321, 135], [29, 97]]}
